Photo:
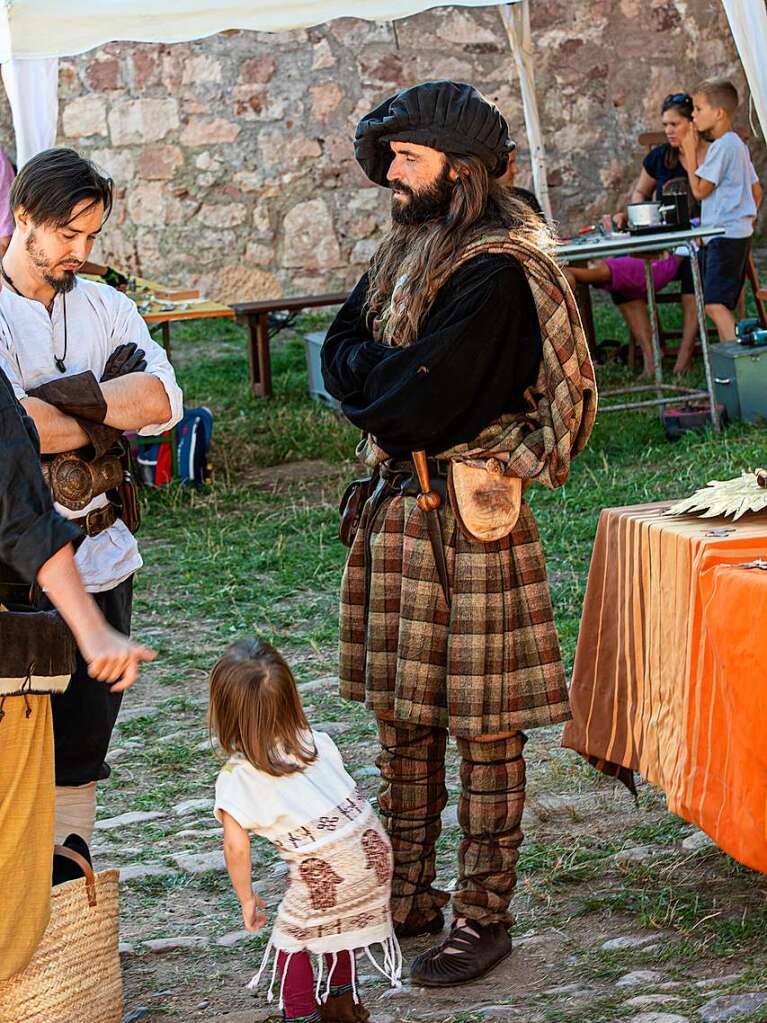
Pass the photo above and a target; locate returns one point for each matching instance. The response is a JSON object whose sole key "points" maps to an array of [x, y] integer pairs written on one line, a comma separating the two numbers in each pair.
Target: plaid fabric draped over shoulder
{"points": [[562, 405], [491, 662]]}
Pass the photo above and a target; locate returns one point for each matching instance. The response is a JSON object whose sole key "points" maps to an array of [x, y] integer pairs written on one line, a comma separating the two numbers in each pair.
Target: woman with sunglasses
{"points": [[664, 172]]}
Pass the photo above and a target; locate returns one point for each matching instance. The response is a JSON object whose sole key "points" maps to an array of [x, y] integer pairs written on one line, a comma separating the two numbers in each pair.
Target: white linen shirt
{"points": [[99, 319], [272, 806]]}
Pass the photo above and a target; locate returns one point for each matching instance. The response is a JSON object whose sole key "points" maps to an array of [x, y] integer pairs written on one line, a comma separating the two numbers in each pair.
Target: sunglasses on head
{"points": [[677, 99]]}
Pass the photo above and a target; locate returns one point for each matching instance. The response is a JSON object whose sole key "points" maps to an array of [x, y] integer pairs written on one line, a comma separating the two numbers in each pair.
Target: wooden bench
{"points": [[255, 316]]}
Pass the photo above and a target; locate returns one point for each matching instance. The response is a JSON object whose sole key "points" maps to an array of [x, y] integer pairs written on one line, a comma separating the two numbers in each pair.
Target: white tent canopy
{"points": [[58, 28]]}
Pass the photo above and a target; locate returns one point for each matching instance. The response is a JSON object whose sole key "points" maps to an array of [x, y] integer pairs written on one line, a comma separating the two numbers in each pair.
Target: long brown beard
{"points": [[412, 257]]}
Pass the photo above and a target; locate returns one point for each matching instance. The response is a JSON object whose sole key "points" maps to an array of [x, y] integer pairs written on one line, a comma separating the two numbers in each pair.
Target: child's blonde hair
{"points": [[720, 92], [255, 709]]}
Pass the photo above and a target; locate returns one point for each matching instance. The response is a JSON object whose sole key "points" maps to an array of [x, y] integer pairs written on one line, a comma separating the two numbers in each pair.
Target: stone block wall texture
{"points": [[233, 155]]}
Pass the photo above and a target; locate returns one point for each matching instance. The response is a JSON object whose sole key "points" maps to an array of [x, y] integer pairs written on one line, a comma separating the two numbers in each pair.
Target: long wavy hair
{"points": [[403, 272], [254, 709]]}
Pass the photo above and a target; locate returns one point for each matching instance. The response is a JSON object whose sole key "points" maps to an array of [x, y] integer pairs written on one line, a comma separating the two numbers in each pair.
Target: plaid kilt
{"points": [[489, 664]]}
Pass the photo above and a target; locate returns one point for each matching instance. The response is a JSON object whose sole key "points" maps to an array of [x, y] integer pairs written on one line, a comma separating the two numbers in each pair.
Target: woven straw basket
{"points": [[74, 975]]}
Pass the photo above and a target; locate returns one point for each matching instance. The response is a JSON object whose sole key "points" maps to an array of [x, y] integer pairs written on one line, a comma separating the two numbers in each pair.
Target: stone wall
{"points": [[233, 155]]}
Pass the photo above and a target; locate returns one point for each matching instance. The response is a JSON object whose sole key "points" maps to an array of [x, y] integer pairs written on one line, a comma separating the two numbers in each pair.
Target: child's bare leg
{"points": [[636, 316], [724, 321], [689, 334]]}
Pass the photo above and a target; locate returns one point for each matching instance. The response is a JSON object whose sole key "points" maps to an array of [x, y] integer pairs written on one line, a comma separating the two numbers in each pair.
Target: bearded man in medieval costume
{"points": [[459, 352]]}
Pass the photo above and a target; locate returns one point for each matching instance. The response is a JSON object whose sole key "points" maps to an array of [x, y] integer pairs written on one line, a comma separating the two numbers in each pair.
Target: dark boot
{"points": [[469, 952], [343, 1009], [411, 798], [416, 924]]}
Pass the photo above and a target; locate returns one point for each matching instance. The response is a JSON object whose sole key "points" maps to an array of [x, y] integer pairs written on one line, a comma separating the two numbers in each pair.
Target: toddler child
{"points": [[729, 192], [288, 784]]}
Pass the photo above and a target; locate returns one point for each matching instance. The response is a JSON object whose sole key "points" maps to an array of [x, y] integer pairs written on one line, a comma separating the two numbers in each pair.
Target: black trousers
{"points": [[84, 716]]}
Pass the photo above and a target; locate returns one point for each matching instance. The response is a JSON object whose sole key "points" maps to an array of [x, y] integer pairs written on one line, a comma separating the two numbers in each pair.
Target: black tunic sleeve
{"points": [[30, 529], [479, 351]]}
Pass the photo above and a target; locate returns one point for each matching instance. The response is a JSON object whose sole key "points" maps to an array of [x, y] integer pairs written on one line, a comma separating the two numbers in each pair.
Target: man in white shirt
{"points": [[54, 326]]}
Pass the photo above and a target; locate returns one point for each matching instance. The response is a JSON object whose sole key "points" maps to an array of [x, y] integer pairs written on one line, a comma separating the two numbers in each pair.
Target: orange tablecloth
{"points": [[668, 678]]}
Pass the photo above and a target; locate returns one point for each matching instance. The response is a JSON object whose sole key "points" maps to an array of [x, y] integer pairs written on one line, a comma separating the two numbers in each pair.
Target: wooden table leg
{"points": [[166, 339], [583, 298], [264, 360], [259, 363]]}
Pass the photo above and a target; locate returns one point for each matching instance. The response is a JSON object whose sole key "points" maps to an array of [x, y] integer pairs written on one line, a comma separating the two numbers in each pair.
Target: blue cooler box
{"points": [[740, 380]]}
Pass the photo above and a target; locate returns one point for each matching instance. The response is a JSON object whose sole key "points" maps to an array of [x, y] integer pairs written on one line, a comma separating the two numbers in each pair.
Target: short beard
{"points": [[61, 283], [430, 203]]}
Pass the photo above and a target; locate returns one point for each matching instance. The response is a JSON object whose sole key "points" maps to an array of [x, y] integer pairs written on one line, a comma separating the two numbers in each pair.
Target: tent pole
{"points": [[516, 21]]}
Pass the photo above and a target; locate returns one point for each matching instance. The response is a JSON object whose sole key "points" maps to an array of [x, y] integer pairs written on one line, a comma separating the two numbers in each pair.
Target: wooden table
{"points": [[646, 246], [669, 677], [255, 316], [162, 311], [160, 305]]}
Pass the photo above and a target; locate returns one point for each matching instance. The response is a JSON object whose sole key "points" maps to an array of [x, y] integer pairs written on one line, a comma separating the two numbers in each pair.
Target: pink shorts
{"points": [[627, 274]]}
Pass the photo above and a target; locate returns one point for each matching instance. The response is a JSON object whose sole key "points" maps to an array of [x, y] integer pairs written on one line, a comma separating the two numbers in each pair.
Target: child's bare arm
{"points": [[756, 191], [699, 187], [238, 863]]}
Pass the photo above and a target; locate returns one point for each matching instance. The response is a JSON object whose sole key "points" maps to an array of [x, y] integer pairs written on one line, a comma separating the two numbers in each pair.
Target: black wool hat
{"points": [[449, 116]]}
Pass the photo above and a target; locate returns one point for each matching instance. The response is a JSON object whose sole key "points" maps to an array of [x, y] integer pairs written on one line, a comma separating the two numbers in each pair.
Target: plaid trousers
{"points": [[411, 798]]}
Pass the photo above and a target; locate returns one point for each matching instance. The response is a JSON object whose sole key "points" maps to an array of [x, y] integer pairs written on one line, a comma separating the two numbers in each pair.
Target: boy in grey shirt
{"points": [[730, 193]]}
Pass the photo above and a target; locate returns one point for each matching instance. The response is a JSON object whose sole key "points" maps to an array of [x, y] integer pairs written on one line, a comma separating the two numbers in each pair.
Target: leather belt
{"points": [[97, 520]]}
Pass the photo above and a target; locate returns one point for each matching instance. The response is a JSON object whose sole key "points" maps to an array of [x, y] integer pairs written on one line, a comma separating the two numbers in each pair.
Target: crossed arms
{"points": [[133, 402]]}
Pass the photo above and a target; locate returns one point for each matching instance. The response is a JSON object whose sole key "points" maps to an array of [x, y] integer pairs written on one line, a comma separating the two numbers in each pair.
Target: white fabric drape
{"points": [[748, 24], [516, 20], [57, 28], [32, 87]]}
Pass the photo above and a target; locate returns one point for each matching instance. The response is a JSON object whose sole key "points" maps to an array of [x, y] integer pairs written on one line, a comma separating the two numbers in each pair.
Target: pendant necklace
{"points": [[61, 365]]}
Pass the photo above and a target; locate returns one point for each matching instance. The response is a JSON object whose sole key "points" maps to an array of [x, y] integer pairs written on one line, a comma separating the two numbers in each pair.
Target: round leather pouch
{"points": [[485, 502]]}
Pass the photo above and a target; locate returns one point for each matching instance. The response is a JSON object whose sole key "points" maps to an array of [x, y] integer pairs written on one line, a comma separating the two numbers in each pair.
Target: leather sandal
{"points": [[416, 924], [343, 1009], [470, 951]]}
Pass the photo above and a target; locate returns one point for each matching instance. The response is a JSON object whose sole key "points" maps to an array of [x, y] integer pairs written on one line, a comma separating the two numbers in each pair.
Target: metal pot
{"points": [[644, 214]]}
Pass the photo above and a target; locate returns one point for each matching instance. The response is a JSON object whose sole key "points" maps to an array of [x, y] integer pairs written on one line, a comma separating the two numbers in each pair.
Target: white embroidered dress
{"points": [[338, 855]]}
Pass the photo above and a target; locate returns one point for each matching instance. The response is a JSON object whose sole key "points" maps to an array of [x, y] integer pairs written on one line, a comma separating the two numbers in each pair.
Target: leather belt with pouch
{"points": [[75, 481], [485, 502]]}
